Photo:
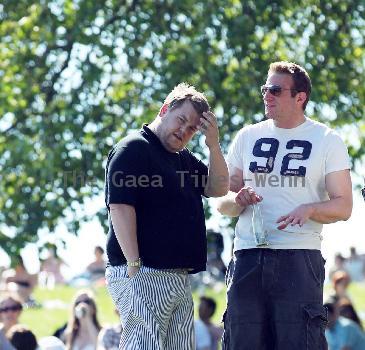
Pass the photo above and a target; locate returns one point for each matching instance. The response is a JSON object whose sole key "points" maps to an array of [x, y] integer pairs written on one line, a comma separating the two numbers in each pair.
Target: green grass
{"points": [[56, 306]]}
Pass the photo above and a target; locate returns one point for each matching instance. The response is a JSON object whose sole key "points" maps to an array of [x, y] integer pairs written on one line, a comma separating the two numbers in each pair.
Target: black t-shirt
{"points": [[165, 188]]}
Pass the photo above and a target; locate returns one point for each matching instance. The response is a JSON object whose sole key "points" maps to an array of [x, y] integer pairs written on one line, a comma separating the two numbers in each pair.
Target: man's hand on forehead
{"points": [[209, 127]]}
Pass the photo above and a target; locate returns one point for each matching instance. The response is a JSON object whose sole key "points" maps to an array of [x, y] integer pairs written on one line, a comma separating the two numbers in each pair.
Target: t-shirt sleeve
{"points": [[337, 157], [236, 151], [126, 164]]}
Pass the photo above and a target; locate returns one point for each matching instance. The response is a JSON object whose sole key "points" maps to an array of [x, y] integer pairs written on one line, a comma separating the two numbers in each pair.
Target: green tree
{"points": [[77, 75]]}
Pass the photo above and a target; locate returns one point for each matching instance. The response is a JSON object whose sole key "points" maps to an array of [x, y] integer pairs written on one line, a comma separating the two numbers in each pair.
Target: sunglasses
{"points": [[10, 308], [274, 90], [86, 301]]}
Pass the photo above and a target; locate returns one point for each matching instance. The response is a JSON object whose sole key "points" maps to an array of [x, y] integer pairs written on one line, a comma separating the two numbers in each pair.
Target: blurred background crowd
{"points": [[82, 328]]}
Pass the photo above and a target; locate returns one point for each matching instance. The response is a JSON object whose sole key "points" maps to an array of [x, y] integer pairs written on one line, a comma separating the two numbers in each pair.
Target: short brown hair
{"points": [[185, 92], [210, 302], [302, 82]]}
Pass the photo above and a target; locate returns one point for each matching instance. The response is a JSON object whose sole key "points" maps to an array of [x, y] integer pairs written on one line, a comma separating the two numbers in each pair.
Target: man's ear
{"points": [[301, 97], [163, 110]]}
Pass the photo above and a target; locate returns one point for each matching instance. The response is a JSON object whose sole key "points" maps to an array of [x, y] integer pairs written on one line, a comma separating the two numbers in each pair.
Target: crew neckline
{"points": [[152, 137], [290, 130]]}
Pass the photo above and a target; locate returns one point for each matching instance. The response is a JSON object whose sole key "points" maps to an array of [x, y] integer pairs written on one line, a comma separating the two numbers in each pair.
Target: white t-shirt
{"points": [[202, 335], [287, 167]]}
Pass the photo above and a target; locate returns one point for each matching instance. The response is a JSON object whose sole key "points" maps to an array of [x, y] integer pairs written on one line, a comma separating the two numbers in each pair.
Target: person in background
{"points": [[342, 333], [347, 310], [109, 337], [96, 269], [18, 280], [22, 338], [339, 264], [340, 283], [83, 327], [10, 311], [207, 309], [51, 343], [202, 336], [215, 247], [355, 266], [4, 343], [50, 273]]}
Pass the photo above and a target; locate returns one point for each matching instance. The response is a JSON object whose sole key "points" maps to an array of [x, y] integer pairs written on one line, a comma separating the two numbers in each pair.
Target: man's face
{"points": [[83, 306], [283, 106], [9, 311], [178, 126]]}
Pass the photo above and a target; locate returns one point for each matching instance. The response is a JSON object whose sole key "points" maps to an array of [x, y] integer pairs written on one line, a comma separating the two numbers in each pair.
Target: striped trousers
{"points": [[155, 308]]}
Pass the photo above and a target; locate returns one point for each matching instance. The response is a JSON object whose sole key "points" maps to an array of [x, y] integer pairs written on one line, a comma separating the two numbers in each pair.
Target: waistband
{"points": [[181, 271], [147, 268]]}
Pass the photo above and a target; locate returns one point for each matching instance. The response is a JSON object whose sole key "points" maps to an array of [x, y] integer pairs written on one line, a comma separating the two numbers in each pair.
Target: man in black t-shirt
{"points": [[153, 192]]}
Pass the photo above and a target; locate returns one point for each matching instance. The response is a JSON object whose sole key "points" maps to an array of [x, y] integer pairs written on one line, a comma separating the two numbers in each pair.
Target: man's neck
{"points": [[290, 123], [153, 126]]}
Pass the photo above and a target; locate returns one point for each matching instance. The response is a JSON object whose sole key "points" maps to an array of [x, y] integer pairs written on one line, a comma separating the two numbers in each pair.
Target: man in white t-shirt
{"points": [[297, 171]]}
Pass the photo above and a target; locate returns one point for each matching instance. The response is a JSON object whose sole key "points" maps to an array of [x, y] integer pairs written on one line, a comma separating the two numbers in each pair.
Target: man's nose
{"points": [[184, 129], [267, 96]]}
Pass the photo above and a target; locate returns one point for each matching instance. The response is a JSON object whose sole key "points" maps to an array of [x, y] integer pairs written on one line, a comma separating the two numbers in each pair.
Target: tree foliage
{"points": [[77, 75]]}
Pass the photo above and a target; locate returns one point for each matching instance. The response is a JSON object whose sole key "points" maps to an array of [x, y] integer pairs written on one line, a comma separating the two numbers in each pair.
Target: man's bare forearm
{"points": [[339, 206], [326, 212], [228, 206], [218, 178], [333, 210], [124, 222]]}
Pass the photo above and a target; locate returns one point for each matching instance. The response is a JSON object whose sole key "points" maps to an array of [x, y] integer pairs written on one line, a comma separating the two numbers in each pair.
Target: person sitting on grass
{"points": [[347, 310], [10, 310], [96, 268], [18, 280], [83, 327], [342, 333]]}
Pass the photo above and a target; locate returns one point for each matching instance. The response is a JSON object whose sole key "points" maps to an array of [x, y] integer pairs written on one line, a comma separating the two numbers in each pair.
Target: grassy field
{"points": [[56, 306]]}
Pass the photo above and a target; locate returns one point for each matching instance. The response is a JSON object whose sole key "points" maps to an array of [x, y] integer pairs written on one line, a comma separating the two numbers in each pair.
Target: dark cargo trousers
{"points": [[275, 300]]}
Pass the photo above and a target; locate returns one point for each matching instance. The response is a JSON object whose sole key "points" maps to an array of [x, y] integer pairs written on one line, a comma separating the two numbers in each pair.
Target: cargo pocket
{"points": [[316, 321]]}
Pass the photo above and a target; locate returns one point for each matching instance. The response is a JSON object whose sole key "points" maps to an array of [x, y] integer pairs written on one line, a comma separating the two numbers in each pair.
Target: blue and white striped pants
{"points": [[155, 308]]}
